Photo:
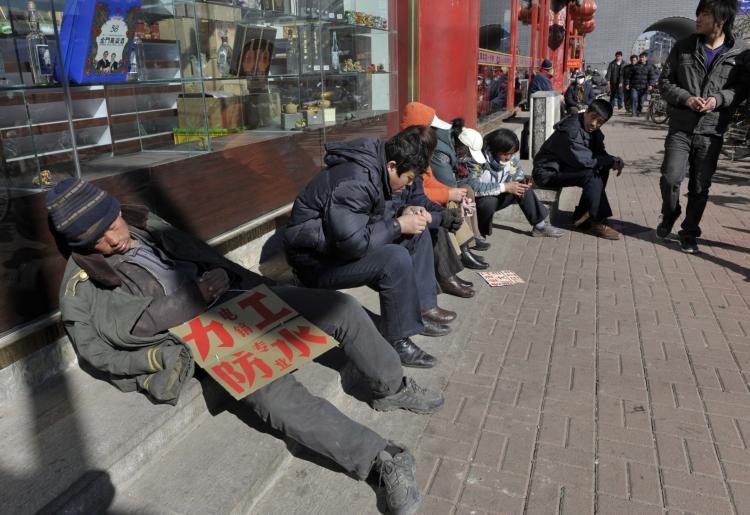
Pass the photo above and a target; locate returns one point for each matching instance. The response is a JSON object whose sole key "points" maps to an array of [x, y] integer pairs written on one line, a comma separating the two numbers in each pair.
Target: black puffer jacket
{"points": [[642, 76], [341, 213], [685, 76], [570, 148]]}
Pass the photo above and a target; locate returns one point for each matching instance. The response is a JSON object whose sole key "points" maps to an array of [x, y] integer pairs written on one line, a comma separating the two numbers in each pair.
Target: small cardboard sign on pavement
{"points": [[251, 340], [504, 278]]}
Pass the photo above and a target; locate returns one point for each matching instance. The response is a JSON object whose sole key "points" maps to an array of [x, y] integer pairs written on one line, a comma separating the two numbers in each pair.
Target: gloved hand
{"points": [[451, 219]]}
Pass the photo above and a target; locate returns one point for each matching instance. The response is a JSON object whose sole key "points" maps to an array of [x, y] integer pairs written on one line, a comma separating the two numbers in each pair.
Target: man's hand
{"points": [[419, 211], [696, 103], [516, 188], [618, 165], [213, 284], [412, 223], [709, 104], [456, 194]]}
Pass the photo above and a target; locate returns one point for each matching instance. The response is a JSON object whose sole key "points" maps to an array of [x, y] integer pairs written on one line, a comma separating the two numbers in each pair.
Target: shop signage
{"points": [[491, 58], [251, 340]]}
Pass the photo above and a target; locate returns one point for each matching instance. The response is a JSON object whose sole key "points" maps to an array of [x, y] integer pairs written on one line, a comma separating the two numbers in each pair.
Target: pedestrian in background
{"points": [[704, 78], [643, 78], [627, 71], [542, 79], [615, 76]]}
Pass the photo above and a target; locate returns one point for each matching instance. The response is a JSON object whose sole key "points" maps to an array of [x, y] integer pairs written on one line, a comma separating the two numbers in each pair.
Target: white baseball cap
{"points": [[473, 139], [440, 124]]}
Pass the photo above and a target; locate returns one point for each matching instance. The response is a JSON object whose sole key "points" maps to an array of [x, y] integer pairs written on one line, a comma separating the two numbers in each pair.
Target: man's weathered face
{"points": [[633, 60], [643, 59], [399, 182], [592, 121], [116, 239], [618, 58]]}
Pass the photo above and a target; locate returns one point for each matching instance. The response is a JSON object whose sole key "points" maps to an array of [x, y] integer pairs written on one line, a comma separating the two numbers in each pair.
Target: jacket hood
{"points": [[365, 152], [416, 113], [570, 124]]}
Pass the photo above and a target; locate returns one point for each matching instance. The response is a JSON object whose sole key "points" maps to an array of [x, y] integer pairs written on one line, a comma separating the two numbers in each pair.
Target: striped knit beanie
{"points": [[80, 212]]}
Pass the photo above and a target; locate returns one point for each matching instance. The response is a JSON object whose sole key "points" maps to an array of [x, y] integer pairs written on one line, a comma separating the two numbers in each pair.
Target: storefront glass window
{"points": [[494, 57], [98, 88]]}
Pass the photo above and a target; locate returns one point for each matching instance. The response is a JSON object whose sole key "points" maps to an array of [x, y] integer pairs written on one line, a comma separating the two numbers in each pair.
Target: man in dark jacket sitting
{"points": [[642, 79], [575, 156], [347, 230], [579, 95], [705, 77], [131, 276], [542, 79]]}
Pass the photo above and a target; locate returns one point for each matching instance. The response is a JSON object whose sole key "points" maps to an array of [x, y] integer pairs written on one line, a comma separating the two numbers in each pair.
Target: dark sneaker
{"points": [[411, 355], [411, 397], [402, 495], [689, 244], [549, 231], [481, 244], [664, 229]]}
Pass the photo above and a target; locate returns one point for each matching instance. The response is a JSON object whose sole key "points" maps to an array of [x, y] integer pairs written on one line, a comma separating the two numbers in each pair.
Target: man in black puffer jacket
{"points": [[642, 79], [346, 231], [574, 155], [705, 77]]}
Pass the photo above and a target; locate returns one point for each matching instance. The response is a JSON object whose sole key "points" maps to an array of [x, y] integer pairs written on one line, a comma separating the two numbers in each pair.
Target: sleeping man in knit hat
{"points": [[131, 276]]}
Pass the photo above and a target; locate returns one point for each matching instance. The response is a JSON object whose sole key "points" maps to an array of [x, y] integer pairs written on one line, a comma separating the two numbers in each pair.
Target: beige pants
{"points": [[468, 230]]}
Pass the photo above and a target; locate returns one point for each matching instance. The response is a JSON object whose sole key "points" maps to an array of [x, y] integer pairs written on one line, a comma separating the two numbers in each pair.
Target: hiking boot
{"points": [[549, 231], [689, 244], [411, 397], [602, 230], [396, 473], [411, 355]]}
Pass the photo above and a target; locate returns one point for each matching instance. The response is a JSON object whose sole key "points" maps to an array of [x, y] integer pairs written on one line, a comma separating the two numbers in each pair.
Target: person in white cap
{"points": [[491, 167]]}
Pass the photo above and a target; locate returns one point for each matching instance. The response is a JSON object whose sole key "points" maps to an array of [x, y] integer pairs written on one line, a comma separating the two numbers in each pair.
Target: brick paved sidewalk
{"points": [[615, 380]]}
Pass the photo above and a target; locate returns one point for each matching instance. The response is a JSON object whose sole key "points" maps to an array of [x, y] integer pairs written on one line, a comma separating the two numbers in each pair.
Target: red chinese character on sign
{"points": [[234, 379], [200, 334], [282, 364], [255, 301], [227, 314], [304, 333], [303, 349], [243, 329], [261, 347]]}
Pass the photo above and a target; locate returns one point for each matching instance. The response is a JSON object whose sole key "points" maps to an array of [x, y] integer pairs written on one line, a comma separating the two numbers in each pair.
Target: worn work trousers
{"points": [[315, 423], [594, 195], [531, 206], [637, 96], [616, 96], [694, 155], [402, 273]]}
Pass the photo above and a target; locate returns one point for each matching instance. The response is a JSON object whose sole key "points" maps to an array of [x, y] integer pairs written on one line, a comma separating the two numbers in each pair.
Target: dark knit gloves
{"points": [[451, 219]]}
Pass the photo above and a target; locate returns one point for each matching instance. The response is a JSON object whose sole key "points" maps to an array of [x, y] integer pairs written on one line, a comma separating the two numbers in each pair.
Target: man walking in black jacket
{"points": [[347, 229], [705, 77], [615, 76], [642, 78], [627, 72]]}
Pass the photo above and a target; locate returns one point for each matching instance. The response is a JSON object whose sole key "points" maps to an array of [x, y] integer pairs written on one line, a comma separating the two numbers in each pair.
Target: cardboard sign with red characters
{"points": [[251, 340]]}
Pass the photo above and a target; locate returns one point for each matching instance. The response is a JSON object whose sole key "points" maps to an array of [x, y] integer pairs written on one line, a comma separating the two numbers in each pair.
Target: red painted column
{"points": [[511, 78], [448, 47], [534, 33]]}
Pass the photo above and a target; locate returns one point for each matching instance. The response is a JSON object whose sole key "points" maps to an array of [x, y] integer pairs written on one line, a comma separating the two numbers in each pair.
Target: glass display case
{"points": [[207, 70], [210, 113]]}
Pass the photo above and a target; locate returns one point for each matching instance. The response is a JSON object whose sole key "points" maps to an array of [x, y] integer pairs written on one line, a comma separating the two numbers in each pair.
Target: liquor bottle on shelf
{"points": [[224, 55], [40, 59], [292, 53], [137, 70], [334, 53]]}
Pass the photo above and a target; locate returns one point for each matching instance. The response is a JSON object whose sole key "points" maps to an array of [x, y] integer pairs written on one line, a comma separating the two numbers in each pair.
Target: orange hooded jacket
{"points": [[420, 114]]}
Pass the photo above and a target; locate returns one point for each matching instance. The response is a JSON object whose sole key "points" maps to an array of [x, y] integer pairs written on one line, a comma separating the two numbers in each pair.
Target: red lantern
{"points": [[585, 26], [585, 11], [524, 15]]}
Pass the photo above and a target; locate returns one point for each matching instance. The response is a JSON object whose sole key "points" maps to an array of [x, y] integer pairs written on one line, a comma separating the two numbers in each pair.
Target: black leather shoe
{"points": [[434, 329], [439, 315], [481, 244], [464, 282], [411, 355], [451, 286], [469, 260]]}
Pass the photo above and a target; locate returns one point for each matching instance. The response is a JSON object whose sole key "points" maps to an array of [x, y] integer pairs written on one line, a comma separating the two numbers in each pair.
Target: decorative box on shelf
{"points": [[290, 121]]}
